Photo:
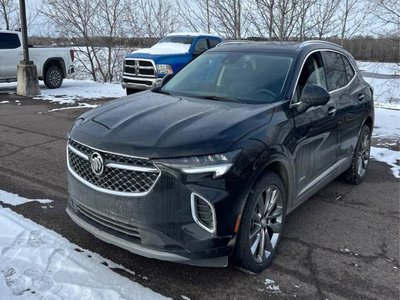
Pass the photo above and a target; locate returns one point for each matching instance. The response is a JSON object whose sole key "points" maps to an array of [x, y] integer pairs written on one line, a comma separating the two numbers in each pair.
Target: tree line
{"points": [[367, 28]]}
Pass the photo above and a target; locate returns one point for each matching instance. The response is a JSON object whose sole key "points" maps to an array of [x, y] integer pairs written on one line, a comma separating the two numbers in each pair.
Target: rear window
{"points": [[177, 39], [336, 75], [9, 41]]}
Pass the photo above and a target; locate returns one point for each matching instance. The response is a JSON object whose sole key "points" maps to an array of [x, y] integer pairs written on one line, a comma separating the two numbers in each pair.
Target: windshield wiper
{"points": [[217, 98]]}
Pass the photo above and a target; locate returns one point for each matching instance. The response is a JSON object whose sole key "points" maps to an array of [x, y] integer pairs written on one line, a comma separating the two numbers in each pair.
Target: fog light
{"points": [[203, 213]]}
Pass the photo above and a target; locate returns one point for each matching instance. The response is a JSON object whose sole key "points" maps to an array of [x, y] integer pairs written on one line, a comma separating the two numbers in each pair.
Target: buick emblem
{"points": [[96, 162]]}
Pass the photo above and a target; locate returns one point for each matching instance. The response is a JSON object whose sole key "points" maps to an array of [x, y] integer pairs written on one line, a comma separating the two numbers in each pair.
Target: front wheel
{"points": [[53, 77], [359, 164], [262, 224]]}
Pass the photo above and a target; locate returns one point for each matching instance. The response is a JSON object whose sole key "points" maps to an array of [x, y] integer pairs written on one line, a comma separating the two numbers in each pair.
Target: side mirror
{"points": [[313, 95], [160, 82]]}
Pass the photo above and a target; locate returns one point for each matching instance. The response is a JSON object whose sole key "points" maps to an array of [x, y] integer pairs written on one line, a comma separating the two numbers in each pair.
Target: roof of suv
{"points": [[288, 47]]}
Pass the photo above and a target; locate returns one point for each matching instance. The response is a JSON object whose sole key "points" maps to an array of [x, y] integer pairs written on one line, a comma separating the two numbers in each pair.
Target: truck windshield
{"points": [[177, 39], [233, 76]]}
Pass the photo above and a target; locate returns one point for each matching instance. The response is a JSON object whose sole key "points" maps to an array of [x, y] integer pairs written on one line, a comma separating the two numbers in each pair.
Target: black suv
{"points": [[208, 165]]}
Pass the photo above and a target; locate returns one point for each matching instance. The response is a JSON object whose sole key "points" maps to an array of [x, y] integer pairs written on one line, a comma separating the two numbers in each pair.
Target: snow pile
{"points": [[387, 123], [271, 286], [14, 199], [165, 48], [4, 102], [36, 263], [76, 90]]}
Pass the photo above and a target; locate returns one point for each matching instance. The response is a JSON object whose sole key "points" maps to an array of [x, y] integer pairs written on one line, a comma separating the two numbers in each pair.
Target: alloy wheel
{"points": [[266, 224], [363, 155]]}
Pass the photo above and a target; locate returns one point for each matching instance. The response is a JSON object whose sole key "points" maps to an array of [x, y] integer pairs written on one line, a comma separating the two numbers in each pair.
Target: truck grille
{"points": [[139, 68], [121, 175]]}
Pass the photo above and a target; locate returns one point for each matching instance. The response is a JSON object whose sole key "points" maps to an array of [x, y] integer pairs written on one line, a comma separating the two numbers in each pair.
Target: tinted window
{"points": [[349, 69], [336, 76], [9, 41], [177, 39], [312, 73], [213, 42], [233, 76], [201, 46]]}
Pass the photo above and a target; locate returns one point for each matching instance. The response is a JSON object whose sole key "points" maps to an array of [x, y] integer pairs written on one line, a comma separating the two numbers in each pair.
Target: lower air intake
{"points": [[203, 213]]}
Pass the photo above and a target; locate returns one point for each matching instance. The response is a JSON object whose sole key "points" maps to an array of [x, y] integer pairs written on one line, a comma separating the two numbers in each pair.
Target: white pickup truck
{"points": [[53, 64]]}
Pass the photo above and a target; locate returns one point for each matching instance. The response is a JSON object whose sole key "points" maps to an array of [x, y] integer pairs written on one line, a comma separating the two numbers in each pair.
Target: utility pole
{"points": [[27, 79]]}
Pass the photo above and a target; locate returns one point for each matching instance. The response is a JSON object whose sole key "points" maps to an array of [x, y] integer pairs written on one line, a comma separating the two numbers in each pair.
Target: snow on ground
{"points": [[14, 199], [386, 88], [387, 133], [37, 263], [379, 68], [73, 91]]}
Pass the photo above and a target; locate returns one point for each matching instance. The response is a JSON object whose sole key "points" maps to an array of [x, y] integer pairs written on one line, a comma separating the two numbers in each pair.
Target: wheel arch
{"points": [[57, 61]]}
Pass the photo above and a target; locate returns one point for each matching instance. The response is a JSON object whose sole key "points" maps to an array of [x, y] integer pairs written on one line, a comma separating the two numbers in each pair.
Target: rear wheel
{"points": [[262, 224], [53, 77], [359, 165]]}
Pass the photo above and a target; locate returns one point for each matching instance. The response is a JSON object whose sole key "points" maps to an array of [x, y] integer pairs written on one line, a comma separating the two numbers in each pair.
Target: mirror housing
{"points": [[160, 82], [313, 95]]}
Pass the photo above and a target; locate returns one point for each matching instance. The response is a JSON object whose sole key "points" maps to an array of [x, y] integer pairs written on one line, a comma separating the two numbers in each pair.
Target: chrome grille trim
{"points": [[108, 222], [133, 67], [145, 182]]}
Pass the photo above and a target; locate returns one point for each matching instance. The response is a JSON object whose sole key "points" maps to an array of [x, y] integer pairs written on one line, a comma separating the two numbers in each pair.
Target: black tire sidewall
{"points": [[47, 79], [242, 250]]}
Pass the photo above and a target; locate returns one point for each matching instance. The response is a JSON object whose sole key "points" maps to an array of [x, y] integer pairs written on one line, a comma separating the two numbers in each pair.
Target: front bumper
{"points": [[162, 219], [139, 83]]}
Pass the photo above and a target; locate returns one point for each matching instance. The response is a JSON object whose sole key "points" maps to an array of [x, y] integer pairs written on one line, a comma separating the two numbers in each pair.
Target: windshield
{"points": [[177, 39], [233, 76]]}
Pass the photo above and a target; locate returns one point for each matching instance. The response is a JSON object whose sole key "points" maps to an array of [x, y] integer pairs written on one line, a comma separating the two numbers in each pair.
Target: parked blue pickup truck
{"points": [[143, 67]]}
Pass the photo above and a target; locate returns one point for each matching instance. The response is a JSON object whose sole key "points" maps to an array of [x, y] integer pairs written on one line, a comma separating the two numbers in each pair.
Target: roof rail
{"points": [[232, 42], [305, 43]]}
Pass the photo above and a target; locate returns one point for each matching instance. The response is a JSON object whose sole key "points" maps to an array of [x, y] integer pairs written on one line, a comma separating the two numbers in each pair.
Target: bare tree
{"points": [[352, 16], [196, 15], [231, 17], [9, 12], [91, 20], [158, 17], [323, 17]]}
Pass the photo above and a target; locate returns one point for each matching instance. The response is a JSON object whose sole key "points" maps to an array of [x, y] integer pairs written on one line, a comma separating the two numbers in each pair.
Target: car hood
{"points": [[154, 125]]}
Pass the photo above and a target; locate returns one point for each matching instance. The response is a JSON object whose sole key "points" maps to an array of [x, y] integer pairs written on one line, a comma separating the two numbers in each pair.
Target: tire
{"points": [[131, 91], [253, 252], [53, 77], [360, 161]]}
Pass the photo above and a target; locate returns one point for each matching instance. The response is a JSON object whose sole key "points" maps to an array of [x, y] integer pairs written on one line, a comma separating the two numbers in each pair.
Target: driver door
{"points": [[316, 130]]}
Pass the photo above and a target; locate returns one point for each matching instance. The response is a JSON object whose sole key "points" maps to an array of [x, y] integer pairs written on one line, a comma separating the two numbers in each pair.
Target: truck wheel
{"points": [[53, 77], [262, 224], [359, 164]]}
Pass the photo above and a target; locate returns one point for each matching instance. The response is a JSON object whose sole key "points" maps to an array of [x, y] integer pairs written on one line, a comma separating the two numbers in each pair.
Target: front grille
{"points": [[108, 222], [122, 174], [203, 213], [141, 68]]}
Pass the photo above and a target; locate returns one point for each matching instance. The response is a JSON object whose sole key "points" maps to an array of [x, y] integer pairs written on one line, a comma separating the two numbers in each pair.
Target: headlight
{"points": [[219, 164], [164, 69]]}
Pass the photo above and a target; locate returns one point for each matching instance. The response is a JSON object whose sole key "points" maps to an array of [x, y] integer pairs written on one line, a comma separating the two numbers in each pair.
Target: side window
{"points": [[200, 47], [349, 69], [213, 42], [312, 73], [336, 75], [9, 41]]}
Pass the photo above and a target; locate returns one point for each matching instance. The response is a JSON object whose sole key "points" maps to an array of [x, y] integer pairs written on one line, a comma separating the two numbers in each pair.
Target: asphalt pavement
{"points": [[343, 243]]}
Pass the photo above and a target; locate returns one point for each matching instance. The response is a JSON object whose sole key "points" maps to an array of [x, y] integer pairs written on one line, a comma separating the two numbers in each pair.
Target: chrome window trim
{"points": [[293, 105], [194, 214], [99, 189]]}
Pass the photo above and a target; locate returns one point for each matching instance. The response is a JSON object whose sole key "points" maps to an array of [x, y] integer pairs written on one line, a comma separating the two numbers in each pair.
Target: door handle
{"points": [[361, 97], [331, 111]]}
